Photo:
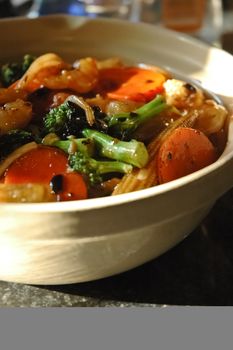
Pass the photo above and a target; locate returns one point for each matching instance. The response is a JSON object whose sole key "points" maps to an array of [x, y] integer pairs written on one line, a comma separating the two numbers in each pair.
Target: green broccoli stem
{"points": [[83, 145], [105, 166], [131, 152], [132, 120], [150, 109], [94, 169]]}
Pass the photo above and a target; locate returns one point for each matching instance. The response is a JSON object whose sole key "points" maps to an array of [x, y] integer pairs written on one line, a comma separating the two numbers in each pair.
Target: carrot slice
{"points": [[37, 166], [42, 165], [184, 151], [131, 83], [73, 187]]}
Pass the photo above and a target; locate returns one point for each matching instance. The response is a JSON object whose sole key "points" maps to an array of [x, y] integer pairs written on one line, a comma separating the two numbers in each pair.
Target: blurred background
{"points": [[208, 20]]}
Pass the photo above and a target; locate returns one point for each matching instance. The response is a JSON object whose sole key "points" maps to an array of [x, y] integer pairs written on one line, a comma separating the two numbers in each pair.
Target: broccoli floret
{"points": [[57, 119], [12, 140], [123, 125], [27, 61], [69, 119], [81, 152], [131, 152], [95, 169], [10, 72]]}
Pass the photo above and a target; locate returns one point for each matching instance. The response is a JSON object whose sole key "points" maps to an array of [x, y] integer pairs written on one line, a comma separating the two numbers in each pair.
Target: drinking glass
{"points": [[200, 18], [122, 9], [108, 8], [212, 26]]}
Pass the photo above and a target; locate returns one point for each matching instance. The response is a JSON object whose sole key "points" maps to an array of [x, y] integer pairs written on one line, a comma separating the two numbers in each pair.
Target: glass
{"points": [[185, 16], [122, 9], [213, 25], [108, 8], [47, 7], [200, 18]]}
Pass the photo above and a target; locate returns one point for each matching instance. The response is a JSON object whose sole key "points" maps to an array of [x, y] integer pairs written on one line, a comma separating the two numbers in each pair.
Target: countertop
{"points": [[198, 271]]}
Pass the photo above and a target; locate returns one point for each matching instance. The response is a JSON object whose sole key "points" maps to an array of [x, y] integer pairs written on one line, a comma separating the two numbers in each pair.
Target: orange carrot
{"points": [[131, 83], [73, 187], [37, 166], [42, 165], [184, 151]]}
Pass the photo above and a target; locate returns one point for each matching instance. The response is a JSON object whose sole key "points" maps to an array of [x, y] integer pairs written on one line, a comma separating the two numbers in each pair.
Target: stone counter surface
{"points": [[198, 271]]}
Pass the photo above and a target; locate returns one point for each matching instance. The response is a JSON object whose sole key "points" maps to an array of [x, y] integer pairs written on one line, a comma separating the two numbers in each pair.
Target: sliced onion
{"points": [[16, 154], [85, 106]]}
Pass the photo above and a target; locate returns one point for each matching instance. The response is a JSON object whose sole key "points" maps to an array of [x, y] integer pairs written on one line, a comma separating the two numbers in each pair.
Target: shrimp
{"points": [[183, 95], [51, 71], [211, 117], [15, 115], [10, 94], [43, 67], [81, 79]]}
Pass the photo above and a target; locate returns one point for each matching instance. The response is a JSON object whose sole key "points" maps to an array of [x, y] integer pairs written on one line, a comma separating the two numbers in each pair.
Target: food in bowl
{"points": [[83, 240], [93, 128]]}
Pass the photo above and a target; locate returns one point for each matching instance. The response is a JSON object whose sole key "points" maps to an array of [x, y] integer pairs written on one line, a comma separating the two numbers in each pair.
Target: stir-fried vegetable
{"points": [[69, 186], [125, 124], [132, 83], [37, 166], [72, 145], [69, 119], [74, 131], [95, 169], [132, 152], [13, 140], [11, 72], [66, 119], [47, 166], [186, 150]]}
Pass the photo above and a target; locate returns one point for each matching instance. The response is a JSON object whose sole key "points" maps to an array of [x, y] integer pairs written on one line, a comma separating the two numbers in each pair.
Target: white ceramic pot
{"points": [[68, 242]]}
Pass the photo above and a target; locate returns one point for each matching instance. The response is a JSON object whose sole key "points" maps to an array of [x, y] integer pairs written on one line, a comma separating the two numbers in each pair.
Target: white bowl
{"points": [[68, 242]]}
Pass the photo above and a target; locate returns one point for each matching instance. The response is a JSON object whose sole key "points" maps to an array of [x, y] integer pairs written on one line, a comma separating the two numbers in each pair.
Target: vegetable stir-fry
{"points": [[72, 131]]}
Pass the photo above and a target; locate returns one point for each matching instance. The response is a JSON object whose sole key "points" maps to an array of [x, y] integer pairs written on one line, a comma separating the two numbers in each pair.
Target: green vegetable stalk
{"points": [[95, 169], [72, 145], [124, 124], [132, 152]]}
